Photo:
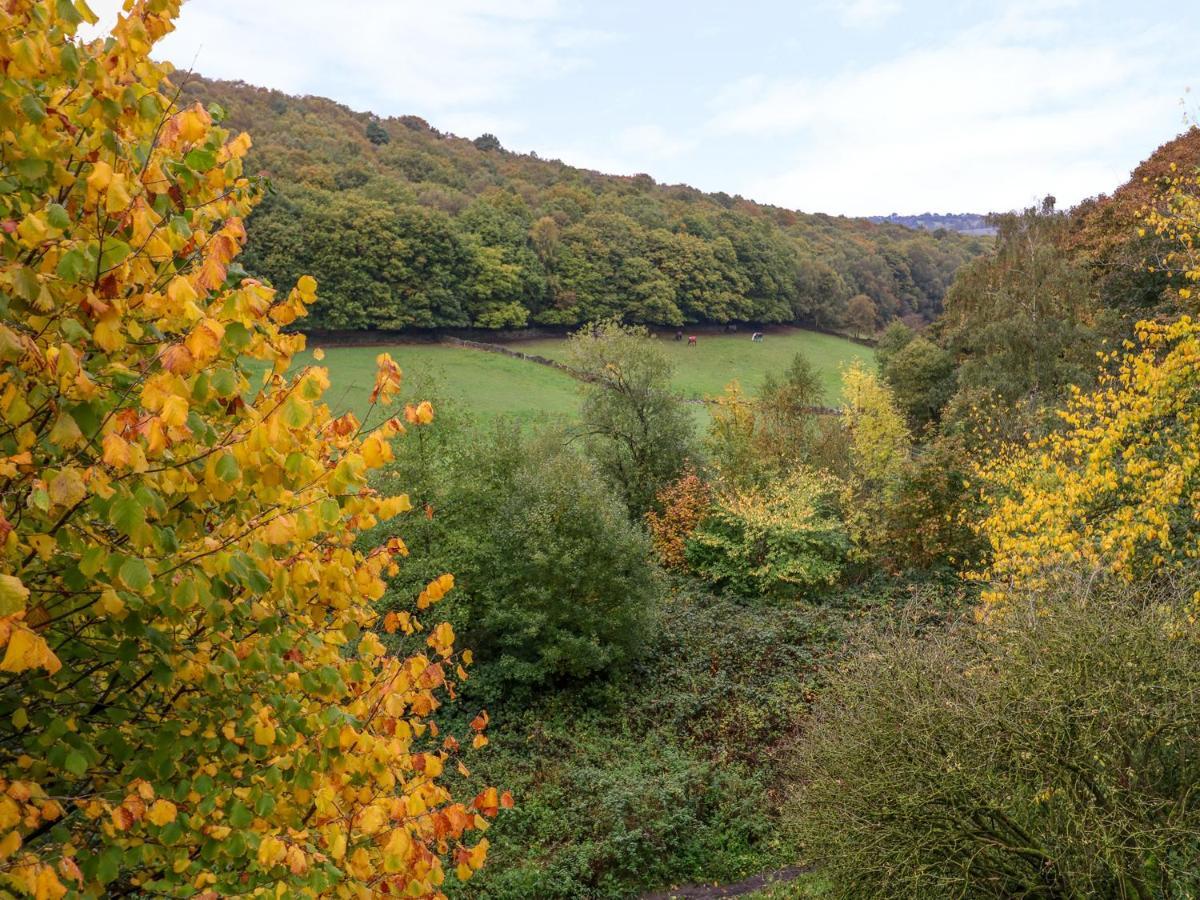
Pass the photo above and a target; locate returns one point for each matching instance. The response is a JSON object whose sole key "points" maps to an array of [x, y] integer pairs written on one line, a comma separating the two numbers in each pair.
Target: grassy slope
{"points": [[488, 385], [705, 370], [485, 384]]}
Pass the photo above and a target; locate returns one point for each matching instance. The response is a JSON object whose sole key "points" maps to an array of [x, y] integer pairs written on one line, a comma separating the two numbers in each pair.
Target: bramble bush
{"points": [[195, 698], [1050, 754]]}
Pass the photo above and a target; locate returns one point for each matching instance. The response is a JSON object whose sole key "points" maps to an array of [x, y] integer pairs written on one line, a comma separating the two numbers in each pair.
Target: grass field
{"points": [[705, 370], [487, 385]]}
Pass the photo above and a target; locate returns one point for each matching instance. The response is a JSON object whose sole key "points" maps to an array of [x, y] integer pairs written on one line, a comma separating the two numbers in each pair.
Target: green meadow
{"points": [[704, 370], [491, 385]]}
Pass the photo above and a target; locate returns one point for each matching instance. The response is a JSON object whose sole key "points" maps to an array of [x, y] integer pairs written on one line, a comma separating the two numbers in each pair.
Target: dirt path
{"points": [[736, 889]]}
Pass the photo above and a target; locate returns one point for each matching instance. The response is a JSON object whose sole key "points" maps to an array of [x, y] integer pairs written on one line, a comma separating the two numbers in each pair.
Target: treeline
{"points": [[407, 227]]}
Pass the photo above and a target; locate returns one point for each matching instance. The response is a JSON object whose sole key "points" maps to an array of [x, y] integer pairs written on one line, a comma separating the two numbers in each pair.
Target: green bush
{"points": [[1052, 755], [635, 425], [553, 580]]}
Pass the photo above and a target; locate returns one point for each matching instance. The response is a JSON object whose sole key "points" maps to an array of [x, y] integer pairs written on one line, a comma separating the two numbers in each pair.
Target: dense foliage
{"points": [[408, 227], [553, 580], [1043, 747], [194, 698], [214, 680], [1114, 491], [1050, 757], [1023, 323], [667, 773], [785, 537]]}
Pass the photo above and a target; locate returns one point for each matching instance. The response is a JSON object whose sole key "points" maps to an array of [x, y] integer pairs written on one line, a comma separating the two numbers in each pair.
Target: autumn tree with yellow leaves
{"points": [[1115, 492], [194, 697]]}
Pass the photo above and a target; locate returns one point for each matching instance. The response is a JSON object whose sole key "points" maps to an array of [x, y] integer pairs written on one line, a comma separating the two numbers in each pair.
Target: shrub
{"points": [[684, 504], [553, 579], [666, 773], [784, 538], [1050, 755]]}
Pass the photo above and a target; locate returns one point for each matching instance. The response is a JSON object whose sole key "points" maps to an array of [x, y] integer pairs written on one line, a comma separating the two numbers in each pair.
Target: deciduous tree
{"points": [[635, 425], [195, 698]]}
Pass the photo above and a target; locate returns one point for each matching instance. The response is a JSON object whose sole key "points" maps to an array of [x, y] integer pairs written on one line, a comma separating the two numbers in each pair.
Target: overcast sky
{"points": [[840, 106]]}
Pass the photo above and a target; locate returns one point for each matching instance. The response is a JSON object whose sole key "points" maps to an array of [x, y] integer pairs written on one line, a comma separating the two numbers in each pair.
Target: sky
{"points": [[857, 107]]}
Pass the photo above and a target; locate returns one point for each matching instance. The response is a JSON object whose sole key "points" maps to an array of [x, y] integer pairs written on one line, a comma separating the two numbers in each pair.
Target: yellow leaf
{"points": [[162, 812], [10, 845], [205, 340], [376, 451], [67, 488], [116, 450], [27, 650], [174, 411], [117, 199], [100, 176], [107, 334], [65, 432], [181, 292], [264, 734]]}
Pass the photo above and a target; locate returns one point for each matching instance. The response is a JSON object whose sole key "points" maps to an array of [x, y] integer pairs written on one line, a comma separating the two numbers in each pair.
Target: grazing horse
{"points": [[757, 337], [679, 335], [691, 340]]}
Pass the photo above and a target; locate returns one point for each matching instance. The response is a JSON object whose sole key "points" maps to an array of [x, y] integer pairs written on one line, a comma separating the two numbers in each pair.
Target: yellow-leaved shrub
{"points": [[194, 697]]}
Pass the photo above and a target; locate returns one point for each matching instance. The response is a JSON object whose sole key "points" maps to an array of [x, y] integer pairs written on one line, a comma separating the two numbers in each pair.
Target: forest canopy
{"points": [[408, 227]]}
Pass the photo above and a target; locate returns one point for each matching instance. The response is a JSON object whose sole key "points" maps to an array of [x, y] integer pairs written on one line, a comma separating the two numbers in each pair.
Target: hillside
{"points": [[407, 227]]}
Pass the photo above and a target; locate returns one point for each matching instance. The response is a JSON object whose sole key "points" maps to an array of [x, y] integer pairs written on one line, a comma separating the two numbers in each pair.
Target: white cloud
{"points": [[453, 61], [650, 143], [991, 117], [866, 13]]}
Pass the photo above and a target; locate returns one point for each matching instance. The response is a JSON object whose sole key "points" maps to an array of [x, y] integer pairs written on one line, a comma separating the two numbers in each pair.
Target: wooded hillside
{"points": [[407, 227]]}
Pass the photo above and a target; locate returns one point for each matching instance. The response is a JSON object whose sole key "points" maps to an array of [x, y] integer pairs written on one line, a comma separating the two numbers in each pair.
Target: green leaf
{"points": [[25, 283], [72, 266], [227, 467], [67, 12], [148, 107], [57, 215], [127, 515], [200, 160], [31, 169], [134, 574], [295, 412], [114, 254], [69, 57], [110, 865], [33, 109], [240, 816], [92, 560], [237, 336], [76, 763], [224, 382], [180, 226]]}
